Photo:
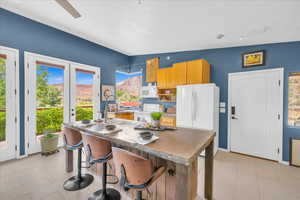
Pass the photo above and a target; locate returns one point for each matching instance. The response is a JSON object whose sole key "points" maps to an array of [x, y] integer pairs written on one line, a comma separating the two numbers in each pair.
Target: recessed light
{"points": [[220, 36]]}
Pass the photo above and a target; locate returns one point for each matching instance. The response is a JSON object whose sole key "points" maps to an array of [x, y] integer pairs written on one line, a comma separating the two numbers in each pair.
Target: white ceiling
{"points": [[159, 26]]}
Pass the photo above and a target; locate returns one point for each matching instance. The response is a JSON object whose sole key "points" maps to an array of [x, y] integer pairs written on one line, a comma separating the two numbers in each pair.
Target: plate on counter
{"points": [[162, 128]]}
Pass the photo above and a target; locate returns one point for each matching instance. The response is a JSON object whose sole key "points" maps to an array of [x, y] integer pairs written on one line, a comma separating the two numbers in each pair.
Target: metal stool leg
{"points": [[81, 180], [105, 193], [139, 195]]}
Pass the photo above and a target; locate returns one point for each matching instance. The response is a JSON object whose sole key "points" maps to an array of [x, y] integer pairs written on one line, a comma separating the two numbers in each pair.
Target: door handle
{"points": [[234, 117], [233, 112]]}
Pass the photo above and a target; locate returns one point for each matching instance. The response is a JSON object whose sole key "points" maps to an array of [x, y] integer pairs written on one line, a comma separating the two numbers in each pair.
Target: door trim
{"points": [[96, 88], [27, 55], [17, 99], [280, 137]]}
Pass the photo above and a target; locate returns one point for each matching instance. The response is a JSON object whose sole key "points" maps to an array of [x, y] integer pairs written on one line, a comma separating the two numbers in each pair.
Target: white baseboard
{"points": [[23, 156], [284, 162], [222, 149]]}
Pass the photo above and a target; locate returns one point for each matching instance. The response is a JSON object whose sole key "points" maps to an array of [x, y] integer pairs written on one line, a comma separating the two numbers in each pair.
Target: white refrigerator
{"points": [[197, 106]]}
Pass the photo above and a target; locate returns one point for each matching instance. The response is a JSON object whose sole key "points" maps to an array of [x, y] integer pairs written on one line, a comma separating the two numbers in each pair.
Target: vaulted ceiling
{"points": [[137, 27]]}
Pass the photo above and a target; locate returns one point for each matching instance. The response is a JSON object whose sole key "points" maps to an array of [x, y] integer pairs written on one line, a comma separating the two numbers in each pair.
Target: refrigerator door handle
{"points": [[192, 106], [195, 106]]}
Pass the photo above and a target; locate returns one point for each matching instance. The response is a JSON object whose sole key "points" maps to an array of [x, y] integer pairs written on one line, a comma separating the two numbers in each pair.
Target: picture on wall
{"points": [[253, 59], [108, 93], [128, 86]]}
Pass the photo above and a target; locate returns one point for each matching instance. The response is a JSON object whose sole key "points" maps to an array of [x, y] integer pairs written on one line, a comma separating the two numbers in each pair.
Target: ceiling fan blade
{"points": [[69, 8]]}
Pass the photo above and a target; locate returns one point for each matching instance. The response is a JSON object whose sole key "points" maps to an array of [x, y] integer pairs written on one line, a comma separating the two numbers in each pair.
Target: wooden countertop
{"points": [[180, 146]]}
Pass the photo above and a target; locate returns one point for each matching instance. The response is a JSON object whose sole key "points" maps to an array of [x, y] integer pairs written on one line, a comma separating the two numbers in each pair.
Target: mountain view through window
{"points": [[128, 86]]}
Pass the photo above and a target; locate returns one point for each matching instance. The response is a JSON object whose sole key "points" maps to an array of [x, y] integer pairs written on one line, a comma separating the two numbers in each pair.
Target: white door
{"points": [[8, 104], [184, 106], [255, 113], [57, 91], [84, 92], [47, 98]]}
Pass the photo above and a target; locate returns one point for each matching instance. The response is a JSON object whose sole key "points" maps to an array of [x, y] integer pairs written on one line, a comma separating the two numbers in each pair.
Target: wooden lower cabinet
{"points": [[121, 115], [168, 121]]}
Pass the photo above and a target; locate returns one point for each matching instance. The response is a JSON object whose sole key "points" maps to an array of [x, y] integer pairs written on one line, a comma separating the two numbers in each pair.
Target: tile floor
{"points": [[236, 177]]}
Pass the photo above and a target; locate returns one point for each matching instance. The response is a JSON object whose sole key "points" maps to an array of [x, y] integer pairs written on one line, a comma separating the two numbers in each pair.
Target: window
{"points": [[49, 97], [294, 99], [128, 86]]}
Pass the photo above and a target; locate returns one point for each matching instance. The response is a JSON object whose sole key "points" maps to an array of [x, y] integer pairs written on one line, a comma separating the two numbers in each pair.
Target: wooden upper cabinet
{"points": [[180, 73], [198, 71], [191, 72], [152, 66], [170, 79], [161, 78], [165, 78]]}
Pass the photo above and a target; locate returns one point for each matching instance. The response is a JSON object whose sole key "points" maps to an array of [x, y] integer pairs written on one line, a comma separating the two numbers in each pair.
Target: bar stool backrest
{"points": [[99, 148], [72, 137], [138, 169]]}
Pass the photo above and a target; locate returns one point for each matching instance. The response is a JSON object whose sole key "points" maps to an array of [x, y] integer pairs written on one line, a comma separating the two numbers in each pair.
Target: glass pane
{"points": [[294, 99], [84, 96], [2, 100], [49, 94]]}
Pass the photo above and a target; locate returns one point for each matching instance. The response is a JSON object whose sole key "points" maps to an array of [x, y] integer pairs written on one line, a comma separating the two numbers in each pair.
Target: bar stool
{"points": [[99, 151], [73, 141], [136, 172]]}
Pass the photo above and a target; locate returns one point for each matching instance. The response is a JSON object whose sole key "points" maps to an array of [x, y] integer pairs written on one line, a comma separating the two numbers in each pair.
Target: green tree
{"points": [[2, 99], [47, 95], [2, 84]]}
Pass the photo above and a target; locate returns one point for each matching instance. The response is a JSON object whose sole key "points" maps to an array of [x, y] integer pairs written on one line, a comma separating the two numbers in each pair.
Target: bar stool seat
{"points": [[136, 172], [99, 151], [73, 141]]}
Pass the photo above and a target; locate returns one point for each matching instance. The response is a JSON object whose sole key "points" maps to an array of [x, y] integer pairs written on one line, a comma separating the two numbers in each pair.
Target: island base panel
{"points": [[179, 182]]}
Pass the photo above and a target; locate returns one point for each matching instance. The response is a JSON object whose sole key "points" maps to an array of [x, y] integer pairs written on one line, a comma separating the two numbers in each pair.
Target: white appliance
{"points": [[148, 92], [145, 114], [197, 106]]}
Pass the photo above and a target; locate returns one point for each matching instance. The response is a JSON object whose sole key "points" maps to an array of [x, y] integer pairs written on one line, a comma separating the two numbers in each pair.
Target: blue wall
{"points": [[26, 35], [227, 60]]}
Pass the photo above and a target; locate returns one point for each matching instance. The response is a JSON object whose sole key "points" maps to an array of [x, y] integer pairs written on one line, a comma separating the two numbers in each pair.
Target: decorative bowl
{"points": [[146, 135]]}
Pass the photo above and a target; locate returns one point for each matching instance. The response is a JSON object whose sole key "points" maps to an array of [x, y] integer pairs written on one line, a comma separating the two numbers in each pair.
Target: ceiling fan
{"points": [[69, 8]]}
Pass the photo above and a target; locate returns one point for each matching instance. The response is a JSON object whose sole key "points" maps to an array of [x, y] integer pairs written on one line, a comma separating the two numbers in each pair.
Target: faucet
{"points": [[106, 107]]}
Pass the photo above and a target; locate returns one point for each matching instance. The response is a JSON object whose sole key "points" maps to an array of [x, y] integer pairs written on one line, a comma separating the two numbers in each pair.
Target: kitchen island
{"points": [[178, 150]]}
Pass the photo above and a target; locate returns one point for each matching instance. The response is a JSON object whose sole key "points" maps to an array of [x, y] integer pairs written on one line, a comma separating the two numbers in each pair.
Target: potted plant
{"points": [[49, 142], [155, 116]]}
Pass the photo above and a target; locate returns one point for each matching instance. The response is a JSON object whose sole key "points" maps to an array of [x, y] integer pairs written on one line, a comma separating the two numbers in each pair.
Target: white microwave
{"points": [[148, 92]]}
